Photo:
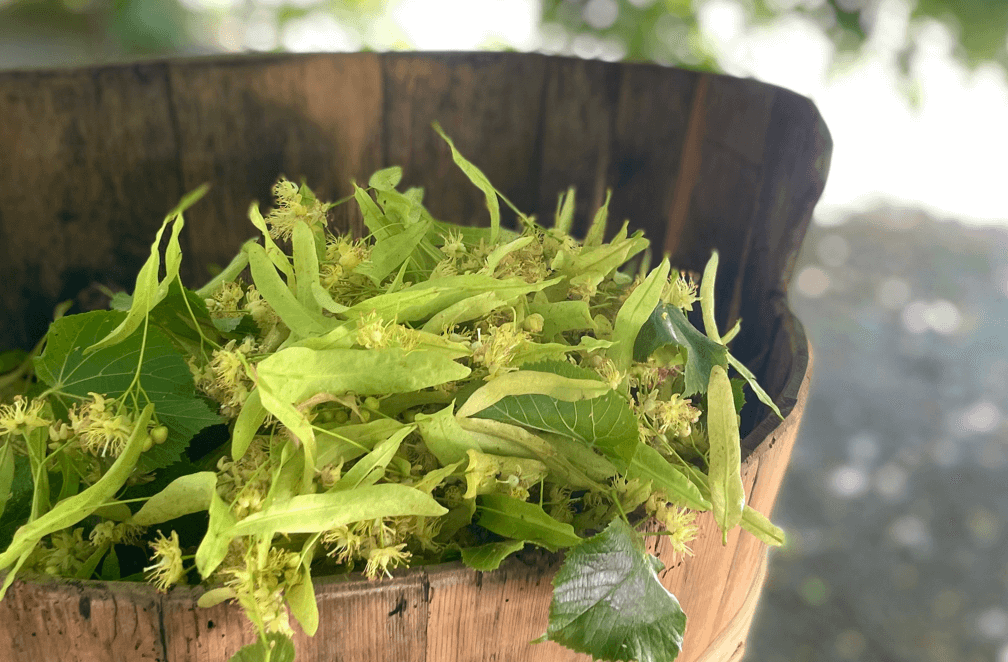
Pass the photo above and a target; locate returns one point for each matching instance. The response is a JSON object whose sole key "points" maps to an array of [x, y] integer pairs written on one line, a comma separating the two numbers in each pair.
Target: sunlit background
{"points": [[895, 501]]}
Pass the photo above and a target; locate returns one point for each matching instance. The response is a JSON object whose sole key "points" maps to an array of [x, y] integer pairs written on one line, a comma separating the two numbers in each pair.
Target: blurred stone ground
{"points": [[896, 499]]}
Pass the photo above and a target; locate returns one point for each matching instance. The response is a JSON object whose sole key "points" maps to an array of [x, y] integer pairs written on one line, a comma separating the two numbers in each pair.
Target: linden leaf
{"points": [[164, 376], [520, 520], [279, 648], [489, 556], [605, 422], [609, 603], [668, 326]]}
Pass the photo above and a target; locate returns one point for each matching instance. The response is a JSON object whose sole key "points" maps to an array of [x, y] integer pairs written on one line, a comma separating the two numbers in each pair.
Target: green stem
{"points": [[143, 348], [196, 324]]}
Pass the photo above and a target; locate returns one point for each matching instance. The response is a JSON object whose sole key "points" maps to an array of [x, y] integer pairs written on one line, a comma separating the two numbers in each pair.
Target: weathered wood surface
{"points": [[94, 157]]}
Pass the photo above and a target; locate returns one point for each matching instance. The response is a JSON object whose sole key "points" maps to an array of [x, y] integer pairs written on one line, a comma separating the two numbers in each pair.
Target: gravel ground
{"points": [[896, 499]]}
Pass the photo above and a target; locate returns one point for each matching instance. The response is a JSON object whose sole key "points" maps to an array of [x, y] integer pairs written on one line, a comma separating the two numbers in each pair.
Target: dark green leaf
{"points": [[762, 395], [164, 376], [609, 603], [18, 506], [605, 423], [667, 325], [738, 395], [182, 315], [281, 645], [110, 567]]}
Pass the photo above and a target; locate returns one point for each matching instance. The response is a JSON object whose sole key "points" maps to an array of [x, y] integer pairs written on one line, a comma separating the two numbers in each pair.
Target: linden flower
{"points": [[681, 293], [67, 554], [444, 269], [167, 570], [453, 246], [680, 523], [100, 430], [676, 414], [383, 558], [632, 493], [329, 475], [345, 543], [346, 254], [22, 417], [559, 504], [423, 530], [375, 333], [372, 331], [225, 378], [243, 482], [330, 275], [290, 209], [114, 534], [262, 313], [498, 351], [224, 300], [607, 370], [259, 586]]}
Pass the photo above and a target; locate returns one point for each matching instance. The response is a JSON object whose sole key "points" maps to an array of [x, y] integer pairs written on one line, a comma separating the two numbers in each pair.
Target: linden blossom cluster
{"points": [[427, 393]]}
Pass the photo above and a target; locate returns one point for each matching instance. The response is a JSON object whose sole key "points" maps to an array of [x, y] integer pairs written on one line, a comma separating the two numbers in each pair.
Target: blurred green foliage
{"points": [[668, 30], [658, 30]]}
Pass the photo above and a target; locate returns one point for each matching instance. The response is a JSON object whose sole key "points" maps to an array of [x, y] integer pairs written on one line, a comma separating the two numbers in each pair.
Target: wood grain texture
{"points": [[490, 106], [698, 161], [578, 123]]}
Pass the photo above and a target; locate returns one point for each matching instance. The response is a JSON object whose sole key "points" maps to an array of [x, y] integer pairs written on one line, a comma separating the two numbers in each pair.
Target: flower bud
{"points": [[159, 434], [533, 323]]}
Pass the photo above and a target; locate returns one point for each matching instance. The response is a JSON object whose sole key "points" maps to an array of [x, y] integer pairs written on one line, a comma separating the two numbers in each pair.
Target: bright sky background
{"points": [[947, 156]]}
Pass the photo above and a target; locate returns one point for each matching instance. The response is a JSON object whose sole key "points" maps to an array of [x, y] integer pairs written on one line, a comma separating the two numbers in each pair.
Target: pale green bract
{"points": [[184, 495], [309, 513], [726, 491]]}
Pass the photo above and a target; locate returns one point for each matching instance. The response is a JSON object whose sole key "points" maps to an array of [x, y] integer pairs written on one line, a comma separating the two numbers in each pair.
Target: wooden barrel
{"points": [[93, 158]]}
